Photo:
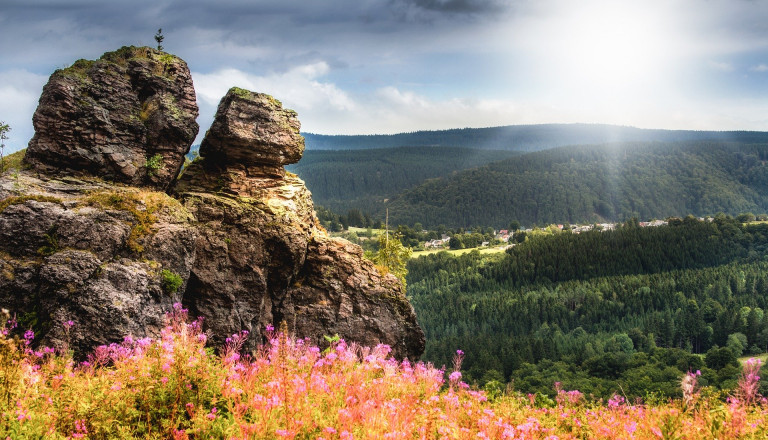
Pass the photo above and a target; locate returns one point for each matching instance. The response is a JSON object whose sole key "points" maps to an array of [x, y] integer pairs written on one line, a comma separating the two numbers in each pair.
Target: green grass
{"points": [[486, 250], [762, 356], [13, 161], [358, 231]]}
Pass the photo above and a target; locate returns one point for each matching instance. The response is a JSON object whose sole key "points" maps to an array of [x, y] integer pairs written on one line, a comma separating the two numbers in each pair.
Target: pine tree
{"points": [[159, 37], [392, 256], [4, 129]]}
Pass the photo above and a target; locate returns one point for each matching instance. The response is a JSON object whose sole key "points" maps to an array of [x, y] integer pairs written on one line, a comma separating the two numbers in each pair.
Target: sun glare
{"points": [[616, 46], [610, 60], [612, 46]]}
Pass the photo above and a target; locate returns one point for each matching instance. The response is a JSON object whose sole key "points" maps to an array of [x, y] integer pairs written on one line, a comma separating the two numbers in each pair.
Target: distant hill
{"points": [[363, 179], [595, 183], [525, 137]]}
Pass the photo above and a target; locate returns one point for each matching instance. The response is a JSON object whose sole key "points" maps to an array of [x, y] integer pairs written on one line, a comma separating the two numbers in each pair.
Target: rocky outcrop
{"points": [[338, 292], [253, 129], [92, 253], [128, 117], [260, 254], [237, 242]]}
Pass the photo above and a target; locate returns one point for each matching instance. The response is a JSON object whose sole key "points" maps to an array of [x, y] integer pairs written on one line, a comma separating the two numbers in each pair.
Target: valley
{"points": [[621, 307]]}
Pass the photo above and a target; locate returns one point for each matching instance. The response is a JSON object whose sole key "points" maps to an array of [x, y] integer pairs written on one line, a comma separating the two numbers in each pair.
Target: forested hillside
{"points": [[525, 137], [601, 311], [595, 183], [363, 179]]}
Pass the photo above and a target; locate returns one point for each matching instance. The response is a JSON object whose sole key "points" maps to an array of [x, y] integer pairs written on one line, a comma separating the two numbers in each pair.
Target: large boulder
{"points": [[253, 129], [129, 117], [100, 255]]}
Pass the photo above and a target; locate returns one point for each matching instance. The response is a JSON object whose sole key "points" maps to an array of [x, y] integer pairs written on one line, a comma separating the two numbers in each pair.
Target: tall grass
{"points": [[174, 387]]}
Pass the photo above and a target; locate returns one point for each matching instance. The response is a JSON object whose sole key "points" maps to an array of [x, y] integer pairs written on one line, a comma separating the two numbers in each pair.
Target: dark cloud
{"points": [[433, 48], [462, 6]]}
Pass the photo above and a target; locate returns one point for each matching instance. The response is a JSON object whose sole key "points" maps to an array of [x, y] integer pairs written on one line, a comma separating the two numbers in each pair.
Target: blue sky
{"points": [[388, 66]]}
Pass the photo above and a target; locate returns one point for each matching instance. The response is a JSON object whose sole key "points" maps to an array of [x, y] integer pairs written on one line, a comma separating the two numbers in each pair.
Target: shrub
{"points": [[154, 164], [171, 281]]}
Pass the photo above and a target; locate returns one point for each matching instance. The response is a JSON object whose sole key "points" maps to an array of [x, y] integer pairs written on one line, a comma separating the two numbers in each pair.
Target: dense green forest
{"points": [[626, 311], [363, 179], [525, 137], [581, 184]]}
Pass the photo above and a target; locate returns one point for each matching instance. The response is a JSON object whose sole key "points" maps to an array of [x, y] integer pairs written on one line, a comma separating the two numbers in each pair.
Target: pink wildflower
{"points": [[749, 381], [180, 434], [22, 414], [81, 430], [615, 401], [688, 385]]}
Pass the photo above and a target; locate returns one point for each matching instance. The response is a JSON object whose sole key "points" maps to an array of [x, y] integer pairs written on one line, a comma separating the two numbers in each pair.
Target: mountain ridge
{"points": [[531, 137], [584, 184]]}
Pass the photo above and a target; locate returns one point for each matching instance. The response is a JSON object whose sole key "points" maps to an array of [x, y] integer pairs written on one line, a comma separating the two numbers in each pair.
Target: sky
{"points": [[390, 66]]}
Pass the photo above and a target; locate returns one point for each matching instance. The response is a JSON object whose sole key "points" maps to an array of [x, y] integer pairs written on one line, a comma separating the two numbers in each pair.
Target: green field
{"points": [[762, 356], [487, 250], [359, 231]]}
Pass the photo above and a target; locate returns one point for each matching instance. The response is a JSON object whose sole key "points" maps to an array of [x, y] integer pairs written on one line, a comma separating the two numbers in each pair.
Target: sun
{"points": [[612, 45], [610, 48]]}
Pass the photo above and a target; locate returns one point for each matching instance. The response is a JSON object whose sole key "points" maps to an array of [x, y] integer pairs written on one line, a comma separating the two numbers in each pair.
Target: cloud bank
{"points": [[372, 66]]}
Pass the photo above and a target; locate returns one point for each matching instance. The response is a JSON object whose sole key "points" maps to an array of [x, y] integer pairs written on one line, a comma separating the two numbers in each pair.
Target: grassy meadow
{"points": [[173, 387]]}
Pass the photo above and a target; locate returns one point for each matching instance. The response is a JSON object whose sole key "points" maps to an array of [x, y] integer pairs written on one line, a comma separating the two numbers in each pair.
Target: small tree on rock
{"points": [[4, 129], [392, 256], [159, 37]]}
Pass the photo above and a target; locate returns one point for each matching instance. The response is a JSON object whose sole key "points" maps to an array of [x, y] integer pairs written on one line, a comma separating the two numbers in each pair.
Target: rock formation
{"points": [[237, 242], [252, 129], [90, 252], [128, 117], [257, 223]]}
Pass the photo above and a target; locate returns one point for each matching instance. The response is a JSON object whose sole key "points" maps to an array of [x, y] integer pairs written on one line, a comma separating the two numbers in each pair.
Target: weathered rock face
{"points": [[128, 117], [253, 129], [92, 253], [339, 292], [239, 244], [260, 257]]}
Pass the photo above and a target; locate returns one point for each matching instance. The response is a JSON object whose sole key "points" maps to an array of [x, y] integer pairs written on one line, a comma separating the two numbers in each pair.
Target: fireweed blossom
{"points": [[688, 387], [174, 387]]}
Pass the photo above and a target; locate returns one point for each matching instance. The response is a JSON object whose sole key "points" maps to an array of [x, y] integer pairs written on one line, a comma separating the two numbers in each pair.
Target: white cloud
{"points": [[395, 97], [395, 110], [759, 68], [19, 93], [298, 88], [721, 66]]}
